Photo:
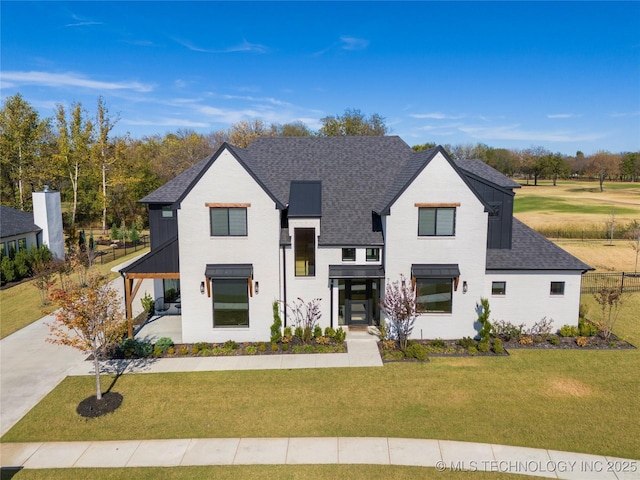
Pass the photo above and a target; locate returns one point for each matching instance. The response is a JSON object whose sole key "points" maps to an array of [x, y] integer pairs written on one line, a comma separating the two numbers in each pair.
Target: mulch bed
{"points": [[596, 342], [91, 407]]}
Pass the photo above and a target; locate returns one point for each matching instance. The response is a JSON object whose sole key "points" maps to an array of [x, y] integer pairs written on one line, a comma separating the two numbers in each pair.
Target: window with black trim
{"points": [[228, 222], [167, 212], [434, 295], [498, 288], [436, 221], [348, 254], [373, 254], [22, 244], [305, 252], [557, 288], [230, 302]]}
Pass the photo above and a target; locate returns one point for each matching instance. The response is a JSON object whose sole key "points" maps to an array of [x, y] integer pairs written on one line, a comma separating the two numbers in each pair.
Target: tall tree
{"points": [[21, 135], [73, 143], [603, 165], [242, 134], [423, 146], [556, 165], [104, 152], [353, 122]]}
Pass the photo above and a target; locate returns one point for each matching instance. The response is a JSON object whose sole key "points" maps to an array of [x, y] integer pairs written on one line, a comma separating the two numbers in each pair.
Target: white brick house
{"points": [[336, 219]]}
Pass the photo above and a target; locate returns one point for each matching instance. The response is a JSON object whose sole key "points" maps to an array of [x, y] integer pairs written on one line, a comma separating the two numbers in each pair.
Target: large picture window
{"points": [[436, 221], [305, 240], [434, 295], [228, 222], [230, 302]]}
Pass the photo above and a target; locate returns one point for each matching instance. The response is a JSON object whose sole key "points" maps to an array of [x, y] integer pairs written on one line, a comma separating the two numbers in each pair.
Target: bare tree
{"points": [[399, 306]]}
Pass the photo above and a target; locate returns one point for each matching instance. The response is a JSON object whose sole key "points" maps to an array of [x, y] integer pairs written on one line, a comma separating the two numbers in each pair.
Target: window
{"points": [[22, 244], [3, 249], [436, 221], [498, 288], [373, 254], [305, 252], [557, 288], [230, 302], [171, 288], [434, 295], [228, 222], [167, 212], [348, 254]]}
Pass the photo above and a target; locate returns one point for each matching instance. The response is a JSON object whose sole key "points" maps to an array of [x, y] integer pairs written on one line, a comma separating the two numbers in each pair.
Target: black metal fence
{"points": [[110, 253], [626, 281]]}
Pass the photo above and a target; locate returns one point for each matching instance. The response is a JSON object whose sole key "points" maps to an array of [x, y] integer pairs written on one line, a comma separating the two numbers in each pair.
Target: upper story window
{"points": [[167, 212], [305, 252], [228, 221], [373, 254], [436, 221], [348, 254]]}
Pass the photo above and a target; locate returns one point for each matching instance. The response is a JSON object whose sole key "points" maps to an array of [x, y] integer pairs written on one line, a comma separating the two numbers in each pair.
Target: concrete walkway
{"points": [[440, 454]]}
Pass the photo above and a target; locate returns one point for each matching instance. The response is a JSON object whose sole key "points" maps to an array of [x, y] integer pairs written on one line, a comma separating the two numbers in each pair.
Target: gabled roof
{"points": [[531, 251], [15, 222], [305, 198], [483, 171]]}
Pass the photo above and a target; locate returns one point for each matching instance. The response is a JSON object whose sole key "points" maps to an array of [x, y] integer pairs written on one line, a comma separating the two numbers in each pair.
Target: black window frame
{"points": [[346, 258], [434, 281], [228, 233], [302, 249], [421, 228], [499, 293], [214, 292], [553, 291], [371, 257]]}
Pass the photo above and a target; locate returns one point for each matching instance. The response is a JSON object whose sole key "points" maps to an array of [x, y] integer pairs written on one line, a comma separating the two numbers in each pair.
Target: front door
{"points": [[358, 297]]}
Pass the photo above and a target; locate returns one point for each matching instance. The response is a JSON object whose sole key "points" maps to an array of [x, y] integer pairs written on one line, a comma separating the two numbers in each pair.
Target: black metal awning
{"points": [[435, 270], [229, 270], [356, 271]]}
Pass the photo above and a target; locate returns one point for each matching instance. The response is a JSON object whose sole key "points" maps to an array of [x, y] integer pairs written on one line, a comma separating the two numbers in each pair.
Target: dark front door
{"points": [[359, 300]]}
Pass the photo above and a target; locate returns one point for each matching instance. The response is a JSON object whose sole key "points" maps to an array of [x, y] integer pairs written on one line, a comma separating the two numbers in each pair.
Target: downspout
{"points": [[331, 302], [284, 283]]}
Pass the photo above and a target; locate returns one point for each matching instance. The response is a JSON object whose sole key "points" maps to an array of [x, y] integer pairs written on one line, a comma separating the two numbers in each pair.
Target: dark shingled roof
{"points": [[532, 251], [172, 191], [14, 222], [482, 170]]}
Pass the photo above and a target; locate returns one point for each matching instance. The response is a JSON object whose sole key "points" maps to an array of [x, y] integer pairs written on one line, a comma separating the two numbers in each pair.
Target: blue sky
{"points": [[565, 76]]}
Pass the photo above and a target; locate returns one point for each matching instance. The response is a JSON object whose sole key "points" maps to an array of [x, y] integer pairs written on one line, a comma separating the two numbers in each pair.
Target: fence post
{"points": [[622, 283]]}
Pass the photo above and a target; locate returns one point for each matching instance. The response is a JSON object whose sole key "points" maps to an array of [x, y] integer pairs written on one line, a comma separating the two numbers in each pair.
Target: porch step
{"points": [[358, 328]]}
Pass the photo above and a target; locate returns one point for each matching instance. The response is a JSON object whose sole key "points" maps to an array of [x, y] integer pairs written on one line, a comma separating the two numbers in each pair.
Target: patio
{"points": [[158, 326]]}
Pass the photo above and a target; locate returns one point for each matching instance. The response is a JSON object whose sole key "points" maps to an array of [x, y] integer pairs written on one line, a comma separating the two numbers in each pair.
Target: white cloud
{"points": [[242, 47], [436, 116], [353, 43], [624, 114], [563, 115], [514, 132], [167, 122], [68, 79], [82, 22]]}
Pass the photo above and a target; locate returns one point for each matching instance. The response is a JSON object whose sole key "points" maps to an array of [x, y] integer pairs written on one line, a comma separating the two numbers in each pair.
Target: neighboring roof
{"points": [[482, 170], [162, 259], [356, 271], [435, 270], [531, 251], [229, 270], [305, 198], [15, 222]]}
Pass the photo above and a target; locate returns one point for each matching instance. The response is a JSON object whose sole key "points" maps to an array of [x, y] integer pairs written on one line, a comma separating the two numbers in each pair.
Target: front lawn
{"points": [[563, 399]]}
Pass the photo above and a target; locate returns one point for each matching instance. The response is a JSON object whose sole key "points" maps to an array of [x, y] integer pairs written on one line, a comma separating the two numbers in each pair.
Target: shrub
{"points": [[261, 347], [568, 331], [543, 327], [317, 331], [497, 347], [21, 263], [584, 309], [206, 352], [8, 270], [483, 318], [157, 351], [285, 347], [483, 346], [340, 335], [329, 332], [276, 326], [582, 341], [526, 340], [298, 332], [507, 330], [251, 350], [184, 350], [274, 347], [286, 338], [164, 344], [133, 348], [148, 303], [437, 343], [417, 351], [554, 340], [472, 350], [171, 351], [323, 340], [586, 328], [230, 345], [466, 342], [388, 344], [195, 350], [288, 332]]}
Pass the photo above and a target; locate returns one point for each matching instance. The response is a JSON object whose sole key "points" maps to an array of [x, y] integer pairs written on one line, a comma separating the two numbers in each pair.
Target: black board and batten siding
{"points": [[161, 228]]}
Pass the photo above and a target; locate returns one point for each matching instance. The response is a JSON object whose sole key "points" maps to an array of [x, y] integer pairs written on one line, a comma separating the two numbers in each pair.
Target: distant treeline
{"points": [[101, 176]]}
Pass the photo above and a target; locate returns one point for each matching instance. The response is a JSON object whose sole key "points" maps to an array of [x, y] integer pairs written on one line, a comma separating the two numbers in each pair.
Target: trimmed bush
{"points": [[497, 346], [568, 331], [340, 335], [164, 344], [417, 351]]}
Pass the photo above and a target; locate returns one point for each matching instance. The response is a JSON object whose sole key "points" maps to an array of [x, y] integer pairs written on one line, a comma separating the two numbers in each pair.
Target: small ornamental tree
{"points": [[90, 319], [610, 300], [276, 326], [399, 306], [483, 319], [306, 316]]}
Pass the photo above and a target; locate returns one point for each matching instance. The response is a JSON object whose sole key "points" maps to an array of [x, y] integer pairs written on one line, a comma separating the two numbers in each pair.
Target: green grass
{"points": [[534, 203], [248, 472], [582, 401], [20, 304]]}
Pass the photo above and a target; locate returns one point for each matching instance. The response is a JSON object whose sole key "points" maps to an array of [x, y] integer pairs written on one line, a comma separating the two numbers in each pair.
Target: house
{"points": [[337, 219], [21, 230]]}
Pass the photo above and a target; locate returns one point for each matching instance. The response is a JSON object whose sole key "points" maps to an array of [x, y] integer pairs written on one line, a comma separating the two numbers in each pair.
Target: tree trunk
{"points": [[601, 179], [20, 186], [74, 183], [104, 197], [96, 366]]}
